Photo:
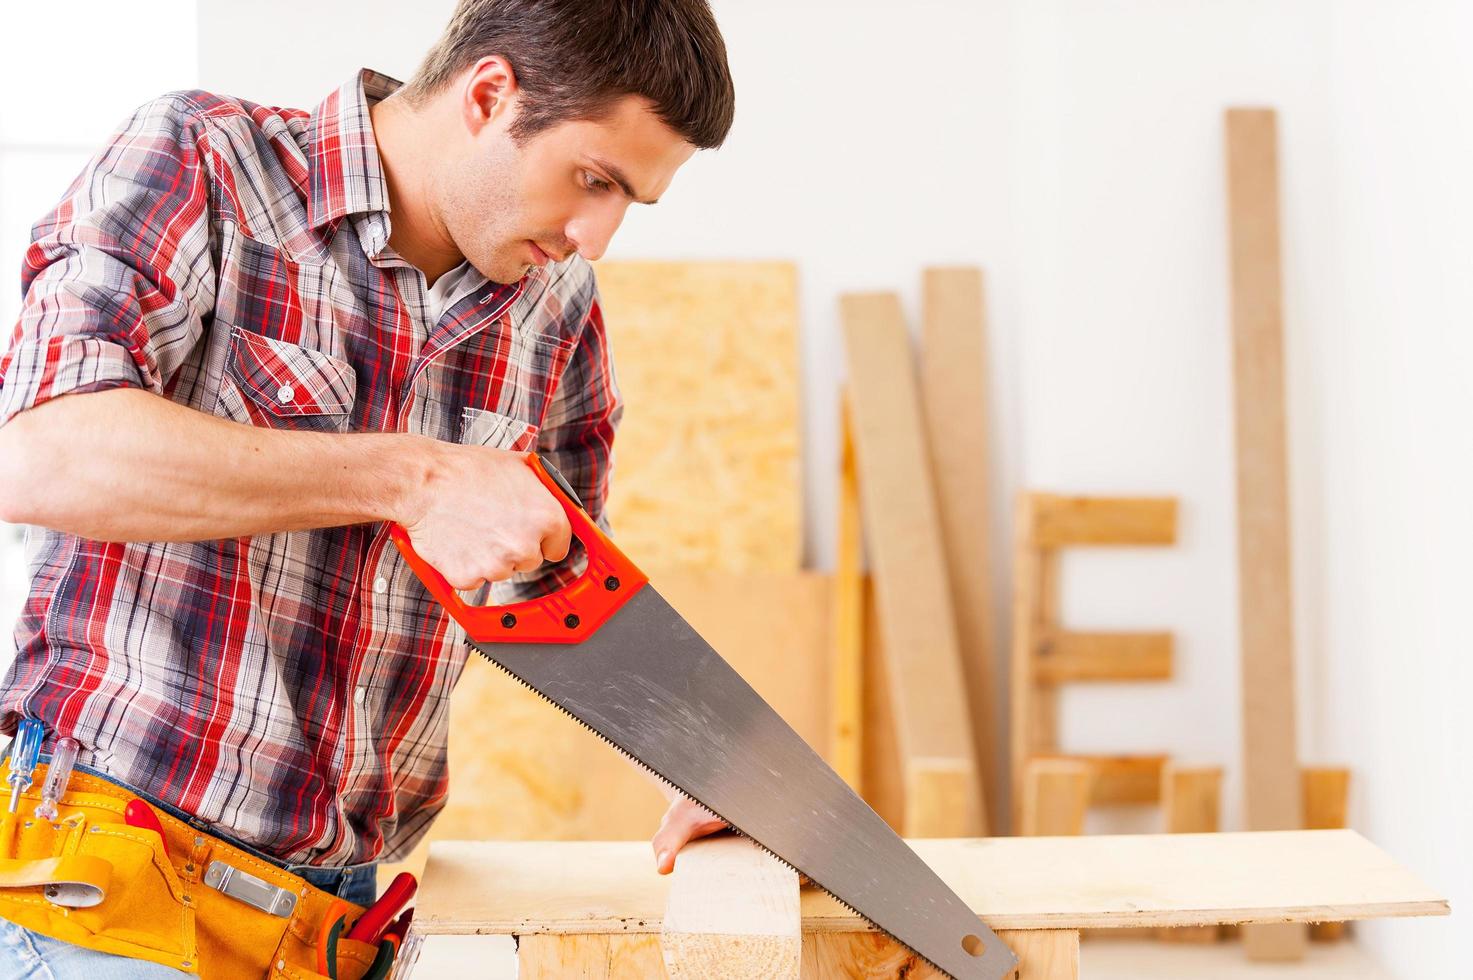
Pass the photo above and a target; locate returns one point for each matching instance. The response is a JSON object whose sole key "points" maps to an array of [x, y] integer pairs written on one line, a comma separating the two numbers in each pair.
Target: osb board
{"points": [[706, 459], [522, 770]]}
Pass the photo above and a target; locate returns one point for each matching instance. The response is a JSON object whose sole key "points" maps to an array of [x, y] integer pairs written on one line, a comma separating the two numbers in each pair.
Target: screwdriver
{"points": [[25, 749], [58, 774]]}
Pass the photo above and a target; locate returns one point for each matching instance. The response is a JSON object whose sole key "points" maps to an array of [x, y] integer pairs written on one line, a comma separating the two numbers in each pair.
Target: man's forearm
{"points": [[128, 465]]}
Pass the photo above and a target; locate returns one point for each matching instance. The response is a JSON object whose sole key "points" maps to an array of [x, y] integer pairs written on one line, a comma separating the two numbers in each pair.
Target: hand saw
{"points": [[608, 650]]}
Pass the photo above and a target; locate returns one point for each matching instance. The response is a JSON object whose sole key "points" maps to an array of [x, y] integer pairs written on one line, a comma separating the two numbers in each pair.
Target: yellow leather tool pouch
{"points": [[90, 879]]}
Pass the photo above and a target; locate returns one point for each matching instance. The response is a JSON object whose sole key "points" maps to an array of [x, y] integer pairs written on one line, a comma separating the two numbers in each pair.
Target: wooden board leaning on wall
{"points": [[522, 770], [704, 497], [706, 460]]}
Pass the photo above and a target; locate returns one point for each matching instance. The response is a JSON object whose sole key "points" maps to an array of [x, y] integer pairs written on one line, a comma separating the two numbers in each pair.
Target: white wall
{"points": [[70, 74], [1074, 149]]}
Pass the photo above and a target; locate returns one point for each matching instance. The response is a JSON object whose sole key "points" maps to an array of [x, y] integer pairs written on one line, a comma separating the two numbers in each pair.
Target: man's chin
{"points": [[505, 271]]}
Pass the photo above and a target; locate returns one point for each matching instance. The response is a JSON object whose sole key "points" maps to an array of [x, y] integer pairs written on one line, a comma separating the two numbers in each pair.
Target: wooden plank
{"points": [[1326, 792], [1121, 779], [1031, 722], [1071, 656], [881, 778], [709, 482], [1191, 799], [1265, 583], [903, 535], [732, 914], [523, 770], [589, 957], [1075, 522], [1043, 954], [522, 887], [848, 628], [1055, 797], [953, 365], [940, 797]]}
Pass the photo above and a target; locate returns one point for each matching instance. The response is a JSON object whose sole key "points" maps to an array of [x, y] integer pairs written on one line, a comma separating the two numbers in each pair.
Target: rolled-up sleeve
{"points": [[118, 279]]}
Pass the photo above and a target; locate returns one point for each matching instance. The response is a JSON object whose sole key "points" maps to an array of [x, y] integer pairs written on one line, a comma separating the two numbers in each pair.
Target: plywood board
{"points": [[903, 534], [706, 462], [1010, 882], [1265, 584], [520, 769], [953, 368]]}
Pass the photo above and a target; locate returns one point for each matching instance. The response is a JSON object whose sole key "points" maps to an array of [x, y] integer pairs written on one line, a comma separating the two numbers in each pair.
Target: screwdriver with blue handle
{"points": [[25, 751]]}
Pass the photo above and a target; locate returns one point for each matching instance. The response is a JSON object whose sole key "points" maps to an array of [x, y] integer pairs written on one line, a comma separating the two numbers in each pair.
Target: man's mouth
{"points": [[539, 257]]}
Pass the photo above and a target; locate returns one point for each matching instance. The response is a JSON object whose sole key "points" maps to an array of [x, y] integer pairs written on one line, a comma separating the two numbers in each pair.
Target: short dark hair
{"points": [[574, 58]]}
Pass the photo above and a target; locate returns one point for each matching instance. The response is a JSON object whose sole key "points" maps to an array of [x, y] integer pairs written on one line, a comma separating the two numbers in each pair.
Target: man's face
{"points": [[509, 206]]}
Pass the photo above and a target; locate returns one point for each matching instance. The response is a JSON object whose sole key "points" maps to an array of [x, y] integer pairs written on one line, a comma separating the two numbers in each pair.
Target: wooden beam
{"points": [[1121, 779], [1070, 656], [523, 887], [1265, 584], [847, 742], [908, 561], [1077, 522], [1326, 792], [1045, 954], [589, 957], [953, 359], [1032, 719], [1055, 797], [1191, 800], [732, 914]]}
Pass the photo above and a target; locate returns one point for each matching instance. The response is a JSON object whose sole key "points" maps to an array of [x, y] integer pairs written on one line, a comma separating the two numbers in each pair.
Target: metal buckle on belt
{"points": [[247, 888]]}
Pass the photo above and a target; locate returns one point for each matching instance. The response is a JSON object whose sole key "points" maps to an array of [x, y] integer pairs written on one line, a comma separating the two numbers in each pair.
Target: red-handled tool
{"points": [[139, 814], [381, 913], [566, 616], [612, 653]]}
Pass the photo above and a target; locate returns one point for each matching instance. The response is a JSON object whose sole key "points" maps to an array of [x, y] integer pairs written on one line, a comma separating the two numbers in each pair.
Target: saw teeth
{"points": [[777, 857]]}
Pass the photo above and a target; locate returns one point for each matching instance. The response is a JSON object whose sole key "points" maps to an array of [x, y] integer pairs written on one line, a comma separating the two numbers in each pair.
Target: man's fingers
{"points": [[684, 821], [555, 543]]}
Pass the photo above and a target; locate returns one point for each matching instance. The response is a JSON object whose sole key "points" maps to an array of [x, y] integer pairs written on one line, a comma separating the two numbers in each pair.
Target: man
{"points": [[254, 337]]}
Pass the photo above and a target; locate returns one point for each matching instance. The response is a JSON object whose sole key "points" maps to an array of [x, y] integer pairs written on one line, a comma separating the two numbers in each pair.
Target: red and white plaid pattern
{"points": [[290, 688]]}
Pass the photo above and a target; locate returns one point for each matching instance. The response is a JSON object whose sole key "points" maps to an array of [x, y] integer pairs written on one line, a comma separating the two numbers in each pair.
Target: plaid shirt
{"points": [[291, 689]]}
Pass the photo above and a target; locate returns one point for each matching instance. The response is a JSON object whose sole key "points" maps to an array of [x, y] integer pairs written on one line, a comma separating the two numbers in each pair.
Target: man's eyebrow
{"points": [[618, 177]]}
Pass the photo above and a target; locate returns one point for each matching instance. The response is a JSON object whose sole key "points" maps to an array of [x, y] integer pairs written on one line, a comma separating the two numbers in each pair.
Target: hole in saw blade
{"points": [[973, 945]]}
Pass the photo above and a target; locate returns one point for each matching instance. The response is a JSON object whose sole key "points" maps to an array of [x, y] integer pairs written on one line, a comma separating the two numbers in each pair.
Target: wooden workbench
{"points": [[595, 909]]}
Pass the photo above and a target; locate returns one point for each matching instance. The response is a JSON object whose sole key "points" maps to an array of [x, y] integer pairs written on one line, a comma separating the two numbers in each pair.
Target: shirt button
{"points": [[285, 394], [359, 694], [380, 585]]}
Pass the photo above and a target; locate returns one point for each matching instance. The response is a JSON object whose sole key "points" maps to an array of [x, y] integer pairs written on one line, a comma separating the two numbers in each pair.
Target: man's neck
{"points": [[414, 232]]}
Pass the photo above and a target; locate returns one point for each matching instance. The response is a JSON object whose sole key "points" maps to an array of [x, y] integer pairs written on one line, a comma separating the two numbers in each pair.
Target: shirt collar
{"points": [[345, 173]]}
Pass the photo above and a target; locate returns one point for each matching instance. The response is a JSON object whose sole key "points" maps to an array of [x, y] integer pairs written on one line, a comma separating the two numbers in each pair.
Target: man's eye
{"points": [[593, 183]]}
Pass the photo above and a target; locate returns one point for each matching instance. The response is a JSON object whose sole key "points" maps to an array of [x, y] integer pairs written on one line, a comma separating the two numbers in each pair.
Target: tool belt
{"points": [[184, 899]]}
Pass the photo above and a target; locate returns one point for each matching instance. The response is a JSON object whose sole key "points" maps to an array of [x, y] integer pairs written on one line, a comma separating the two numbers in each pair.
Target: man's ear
{"points": [[489, 94]]}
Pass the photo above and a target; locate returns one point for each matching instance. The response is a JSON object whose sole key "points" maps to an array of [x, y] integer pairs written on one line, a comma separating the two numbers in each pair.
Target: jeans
{"points": [[26, 955]]}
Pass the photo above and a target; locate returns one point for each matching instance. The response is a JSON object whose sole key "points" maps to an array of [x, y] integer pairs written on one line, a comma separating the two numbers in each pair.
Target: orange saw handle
{"points": [[566, 616]]}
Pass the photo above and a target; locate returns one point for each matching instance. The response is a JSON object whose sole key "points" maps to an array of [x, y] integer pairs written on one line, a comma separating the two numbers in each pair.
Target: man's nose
{"points": [[591, 231]]}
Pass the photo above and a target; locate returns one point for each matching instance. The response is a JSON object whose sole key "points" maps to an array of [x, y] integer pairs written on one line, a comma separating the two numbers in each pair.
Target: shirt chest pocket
{"points": [[280, 385], [479, 427]]}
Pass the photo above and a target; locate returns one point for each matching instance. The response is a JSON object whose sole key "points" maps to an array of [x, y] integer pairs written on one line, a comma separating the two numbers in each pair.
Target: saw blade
{"points": [[647, 683]]}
